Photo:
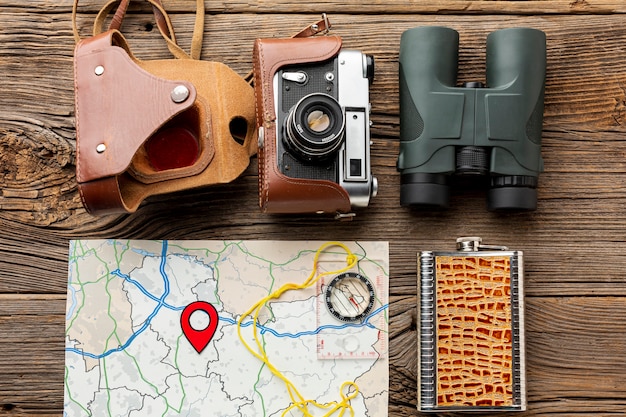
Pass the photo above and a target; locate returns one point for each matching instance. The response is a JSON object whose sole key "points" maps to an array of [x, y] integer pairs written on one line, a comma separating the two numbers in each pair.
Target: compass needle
{"points": [[350, 296]]}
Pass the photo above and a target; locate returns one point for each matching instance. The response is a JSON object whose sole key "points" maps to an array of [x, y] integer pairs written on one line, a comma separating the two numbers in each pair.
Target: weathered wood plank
{"points": [[563, 255], [333, 6], [584, 80]]}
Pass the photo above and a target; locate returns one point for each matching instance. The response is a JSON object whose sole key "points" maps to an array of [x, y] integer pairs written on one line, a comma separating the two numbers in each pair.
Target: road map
{"points": [[142, 337]]}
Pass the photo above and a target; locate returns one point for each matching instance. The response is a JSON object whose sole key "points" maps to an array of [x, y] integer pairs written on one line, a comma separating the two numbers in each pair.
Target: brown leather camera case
{"points": [[277, 192], [122, 101]]}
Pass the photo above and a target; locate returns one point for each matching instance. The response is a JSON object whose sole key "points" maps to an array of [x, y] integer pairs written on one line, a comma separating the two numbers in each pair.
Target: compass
{"points": [[349, 296]]}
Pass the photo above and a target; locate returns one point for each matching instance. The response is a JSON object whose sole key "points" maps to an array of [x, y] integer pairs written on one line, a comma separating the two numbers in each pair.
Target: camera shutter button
{"points": [[297, 77]]}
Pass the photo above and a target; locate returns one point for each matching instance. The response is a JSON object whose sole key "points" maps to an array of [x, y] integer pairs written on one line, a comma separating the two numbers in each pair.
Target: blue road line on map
{"points": [[265, 329], [74, 301], [143, 252], [161, 303], [145, 292]]}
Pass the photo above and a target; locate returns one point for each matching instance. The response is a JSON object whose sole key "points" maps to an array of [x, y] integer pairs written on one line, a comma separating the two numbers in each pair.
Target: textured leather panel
{"points": [[474, 331], [228, 97], [108, 105], [277, 192]]}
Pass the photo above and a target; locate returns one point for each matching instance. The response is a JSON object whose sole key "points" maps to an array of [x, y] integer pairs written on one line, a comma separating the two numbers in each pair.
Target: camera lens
{"points": [[314, 127]]}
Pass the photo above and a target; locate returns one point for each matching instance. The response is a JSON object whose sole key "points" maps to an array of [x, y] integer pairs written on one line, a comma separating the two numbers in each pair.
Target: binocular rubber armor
{"points": [[474, 130]]}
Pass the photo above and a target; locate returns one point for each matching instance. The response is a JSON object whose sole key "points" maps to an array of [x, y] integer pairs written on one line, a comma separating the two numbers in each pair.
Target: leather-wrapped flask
{"points": [[148, 127], [471, 331]]}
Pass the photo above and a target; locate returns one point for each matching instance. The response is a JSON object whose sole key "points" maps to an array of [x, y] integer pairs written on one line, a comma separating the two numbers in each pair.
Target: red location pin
{"points": [[199, 339]]}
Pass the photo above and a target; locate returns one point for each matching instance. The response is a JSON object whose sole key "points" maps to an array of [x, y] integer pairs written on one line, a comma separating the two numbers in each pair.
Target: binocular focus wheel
{"points": [[512, 198], [424, 190]]}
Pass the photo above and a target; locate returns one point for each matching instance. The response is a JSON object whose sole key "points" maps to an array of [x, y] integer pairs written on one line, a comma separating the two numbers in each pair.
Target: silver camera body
{"points": [[323, 122]]}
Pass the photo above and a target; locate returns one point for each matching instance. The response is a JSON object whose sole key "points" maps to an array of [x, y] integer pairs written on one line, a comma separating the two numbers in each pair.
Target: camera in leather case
{"points": [[313, 113]]}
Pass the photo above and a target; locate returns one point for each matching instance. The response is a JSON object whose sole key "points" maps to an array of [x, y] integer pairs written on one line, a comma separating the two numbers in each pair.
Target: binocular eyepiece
{"points": [[471, 130]]}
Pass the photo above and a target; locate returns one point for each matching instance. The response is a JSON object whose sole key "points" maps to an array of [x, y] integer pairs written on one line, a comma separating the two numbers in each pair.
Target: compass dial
{"points": [[350, 296]]}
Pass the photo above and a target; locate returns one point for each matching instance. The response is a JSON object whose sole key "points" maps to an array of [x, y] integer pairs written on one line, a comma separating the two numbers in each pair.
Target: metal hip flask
{"points": [[471, 331]]}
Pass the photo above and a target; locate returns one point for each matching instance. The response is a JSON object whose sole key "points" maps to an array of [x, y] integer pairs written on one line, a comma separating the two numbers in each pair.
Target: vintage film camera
{"points": [[313, 113], [492, 132]]}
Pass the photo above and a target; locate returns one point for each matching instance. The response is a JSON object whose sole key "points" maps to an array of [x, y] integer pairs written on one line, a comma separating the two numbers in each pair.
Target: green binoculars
{"points": [[490, 131]]}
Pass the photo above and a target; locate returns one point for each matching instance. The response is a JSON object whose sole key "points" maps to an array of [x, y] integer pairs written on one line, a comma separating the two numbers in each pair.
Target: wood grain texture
{"points": [[574, 244], [371, 6]]}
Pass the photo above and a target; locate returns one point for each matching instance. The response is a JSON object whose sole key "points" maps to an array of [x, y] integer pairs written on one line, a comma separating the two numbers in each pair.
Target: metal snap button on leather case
{"points": [[471, 333]]}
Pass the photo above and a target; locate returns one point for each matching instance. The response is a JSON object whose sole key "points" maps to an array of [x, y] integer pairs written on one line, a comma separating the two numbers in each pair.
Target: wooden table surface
{"points": [[574, 243]]}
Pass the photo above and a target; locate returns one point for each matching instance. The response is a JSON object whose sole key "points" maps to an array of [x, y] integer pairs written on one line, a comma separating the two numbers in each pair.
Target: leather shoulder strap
{"points": [[162, 19], [321, 26]]}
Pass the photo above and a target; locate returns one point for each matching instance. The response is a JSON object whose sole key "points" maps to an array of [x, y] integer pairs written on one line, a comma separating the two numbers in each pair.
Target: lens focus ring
{"points": [[314, 127]]}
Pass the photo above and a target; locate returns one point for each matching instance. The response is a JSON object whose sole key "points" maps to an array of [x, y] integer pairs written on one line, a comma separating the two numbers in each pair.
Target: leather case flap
{"points": [[120, 119], [231, 101]]}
